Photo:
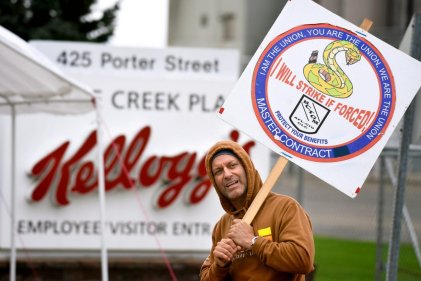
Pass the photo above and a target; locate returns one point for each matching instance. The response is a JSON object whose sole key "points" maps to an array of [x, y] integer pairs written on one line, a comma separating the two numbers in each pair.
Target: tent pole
{"points": [[12, 276], [101, 190]]}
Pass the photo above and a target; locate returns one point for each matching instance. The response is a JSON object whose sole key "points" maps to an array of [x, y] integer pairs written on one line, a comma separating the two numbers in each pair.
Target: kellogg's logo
{"points": [[77, 174]]}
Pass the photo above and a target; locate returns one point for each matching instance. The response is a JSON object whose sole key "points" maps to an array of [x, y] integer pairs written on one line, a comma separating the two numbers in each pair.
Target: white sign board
{"points": [[323, 93], [158, 113]]}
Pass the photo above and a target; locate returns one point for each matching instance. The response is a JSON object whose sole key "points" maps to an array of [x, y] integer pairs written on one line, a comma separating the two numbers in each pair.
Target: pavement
{"points": [[334, 214]]}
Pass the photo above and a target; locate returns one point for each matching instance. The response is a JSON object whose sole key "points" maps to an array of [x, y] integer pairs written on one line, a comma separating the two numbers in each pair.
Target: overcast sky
{"points": [[140, 23]]}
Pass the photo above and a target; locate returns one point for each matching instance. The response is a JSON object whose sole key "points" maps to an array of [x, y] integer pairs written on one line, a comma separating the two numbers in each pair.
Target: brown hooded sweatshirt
{"points": [[285, 248]]}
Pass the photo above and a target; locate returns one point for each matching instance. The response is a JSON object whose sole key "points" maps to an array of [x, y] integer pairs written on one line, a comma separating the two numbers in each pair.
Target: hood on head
{"points": [[254, 181]]}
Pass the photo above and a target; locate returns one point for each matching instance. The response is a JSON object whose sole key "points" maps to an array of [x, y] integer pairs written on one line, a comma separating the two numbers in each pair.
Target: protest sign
{"points": [[323, 93]]}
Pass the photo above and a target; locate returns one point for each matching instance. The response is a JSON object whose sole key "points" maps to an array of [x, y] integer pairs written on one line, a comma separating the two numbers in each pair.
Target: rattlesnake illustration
{"points": [[329, 78]]}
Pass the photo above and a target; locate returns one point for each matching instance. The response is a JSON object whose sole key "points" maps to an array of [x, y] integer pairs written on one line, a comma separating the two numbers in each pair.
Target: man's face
{"points": [[230, 176]]}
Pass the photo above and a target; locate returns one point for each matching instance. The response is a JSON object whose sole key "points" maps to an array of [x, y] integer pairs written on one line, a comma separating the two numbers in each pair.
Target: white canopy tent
{"points": [[30, 83], [29, 80]]}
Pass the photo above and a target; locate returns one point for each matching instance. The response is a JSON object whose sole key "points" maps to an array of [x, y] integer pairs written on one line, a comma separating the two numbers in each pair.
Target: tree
{"points": [[68, 20]]}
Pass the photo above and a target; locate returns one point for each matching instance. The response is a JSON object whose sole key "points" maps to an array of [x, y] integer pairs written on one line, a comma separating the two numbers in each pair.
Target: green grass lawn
{"points": [[347, 260]]}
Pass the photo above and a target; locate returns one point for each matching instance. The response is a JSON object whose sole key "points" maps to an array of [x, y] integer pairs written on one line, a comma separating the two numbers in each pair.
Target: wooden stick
{"points": [[266, 188], [279, 167], [366, 24]]}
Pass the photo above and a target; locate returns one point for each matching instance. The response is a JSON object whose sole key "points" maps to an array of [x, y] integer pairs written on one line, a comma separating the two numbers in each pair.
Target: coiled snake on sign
{"points": [[329, 78]]}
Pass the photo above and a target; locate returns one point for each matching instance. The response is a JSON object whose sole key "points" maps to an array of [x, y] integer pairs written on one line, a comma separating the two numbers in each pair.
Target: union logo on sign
{"points": [[308, 115]]}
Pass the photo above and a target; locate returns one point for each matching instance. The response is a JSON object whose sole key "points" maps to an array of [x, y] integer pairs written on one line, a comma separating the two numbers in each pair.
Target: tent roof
{"points": [[33, 83]]}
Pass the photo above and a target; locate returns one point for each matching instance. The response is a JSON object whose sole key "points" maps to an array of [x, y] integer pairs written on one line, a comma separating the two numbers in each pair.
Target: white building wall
{"points": [[214, 23]]}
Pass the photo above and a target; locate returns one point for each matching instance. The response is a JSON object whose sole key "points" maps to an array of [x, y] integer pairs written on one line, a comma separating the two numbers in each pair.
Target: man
{"points": [[277, 246]]}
